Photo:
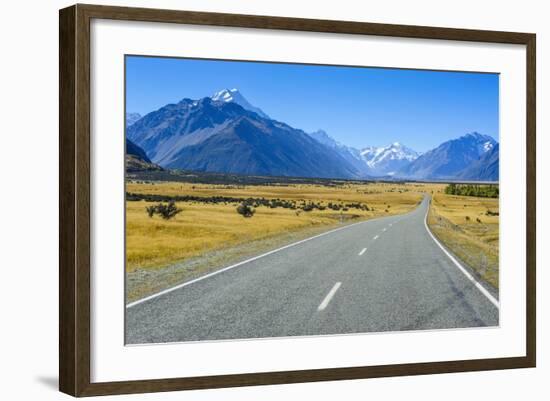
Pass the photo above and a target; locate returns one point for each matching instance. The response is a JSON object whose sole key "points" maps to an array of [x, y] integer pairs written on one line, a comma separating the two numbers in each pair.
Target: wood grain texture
{"points": [[301, 24], [82, 200], [531, 228], [74, 198], [67, 132]]}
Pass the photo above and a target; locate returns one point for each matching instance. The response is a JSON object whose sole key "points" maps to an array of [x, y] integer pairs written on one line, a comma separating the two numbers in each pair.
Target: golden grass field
{"points": [[153, 242], [204, 237], [462, 224]]}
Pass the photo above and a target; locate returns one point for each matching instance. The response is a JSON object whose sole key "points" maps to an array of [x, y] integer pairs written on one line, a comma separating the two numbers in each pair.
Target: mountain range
{"points": [[451, 159], [388, 160], [226, 133], [222, 136]]}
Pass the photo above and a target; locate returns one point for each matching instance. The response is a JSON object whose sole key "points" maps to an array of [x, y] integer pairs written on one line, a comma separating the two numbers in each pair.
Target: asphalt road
{"points": [[386, 274]]}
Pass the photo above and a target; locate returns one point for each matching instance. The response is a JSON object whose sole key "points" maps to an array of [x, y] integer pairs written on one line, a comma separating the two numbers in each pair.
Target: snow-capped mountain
{"points": [[371, 161], [484, 169], [387, 160], [222, 136], [225, 133], [449, 159], [233, 95]]}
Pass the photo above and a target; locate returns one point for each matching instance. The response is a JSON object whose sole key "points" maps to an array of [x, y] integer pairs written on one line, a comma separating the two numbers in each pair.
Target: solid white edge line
{"points": [[462, 269], [168, 290], [362, 251], [329, 296]]}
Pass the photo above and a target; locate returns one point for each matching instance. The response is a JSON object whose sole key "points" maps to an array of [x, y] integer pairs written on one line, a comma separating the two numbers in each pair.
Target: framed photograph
{"points": [[250, 200]]}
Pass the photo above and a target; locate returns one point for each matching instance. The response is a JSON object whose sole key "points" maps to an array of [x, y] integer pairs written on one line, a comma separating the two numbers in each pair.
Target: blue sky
{"points": [[357, 106]]}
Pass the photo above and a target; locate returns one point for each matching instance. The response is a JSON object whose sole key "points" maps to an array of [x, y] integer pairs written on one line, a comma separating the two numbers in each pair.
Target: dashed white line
{"points": [[375, 237], [384, 229], [177, 287], [362, 251], [329, 296]]}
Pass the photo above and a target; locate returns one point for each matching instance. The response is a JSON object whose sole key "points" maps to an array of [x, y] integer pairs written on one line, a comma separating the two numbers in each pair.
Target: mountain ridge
{"points": [[387, 160], [449, 159], [484, 169], [225, 133], [219, 136]]}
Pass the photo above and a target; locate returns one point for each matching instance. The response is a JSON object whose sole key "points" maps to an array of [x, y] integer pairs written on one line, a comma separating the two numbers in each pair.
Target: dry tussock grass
{"points": [[463, 225], [199, 228]]}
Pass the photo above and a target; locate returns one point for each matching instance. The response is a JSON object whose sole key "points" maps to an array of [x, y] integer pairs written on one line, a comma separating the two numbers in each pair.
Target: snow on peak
{"points": [[487, 146], [483, 143], [225, 95], [374, 156], [233, 95]]}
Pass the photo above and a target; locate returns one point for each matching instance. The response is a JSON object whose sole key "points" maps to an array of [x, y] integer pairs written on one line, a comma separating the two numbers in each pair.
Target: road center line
{"points": [[384, 229], [329, 296], [375, 237], [216, 272], [362, 251]]}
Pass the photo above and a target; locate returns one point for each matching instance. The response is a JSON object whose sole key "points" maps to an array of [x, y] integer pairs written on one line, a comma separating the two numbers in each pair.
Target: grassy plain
{"points": [[202, 227], [469, 227], [209, 235]]}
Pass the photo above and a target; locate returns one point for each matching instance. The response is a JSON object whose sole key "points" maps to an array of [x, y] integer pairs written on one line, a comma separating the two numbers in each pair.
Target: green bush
{"points": [[245, 210], [166, 211], [482, 191]]}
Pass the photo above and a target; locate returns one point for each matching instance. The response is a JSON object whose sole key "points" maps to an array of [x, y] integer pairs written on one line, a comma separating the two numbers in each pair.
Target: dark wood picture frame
{"points": [[74, 199]]}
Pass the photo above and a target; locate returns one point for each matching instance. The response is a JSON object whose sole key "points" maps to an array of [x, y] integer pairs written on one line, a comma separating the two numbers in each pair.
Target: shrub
{"points": [[245, 210], [166, 211], [484, 191]]}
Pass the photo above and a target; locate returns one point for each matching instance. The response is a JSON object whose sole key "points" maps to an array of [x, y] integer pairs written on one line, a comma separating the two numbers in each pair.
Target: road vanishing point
{"points": [[385, 274]]}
